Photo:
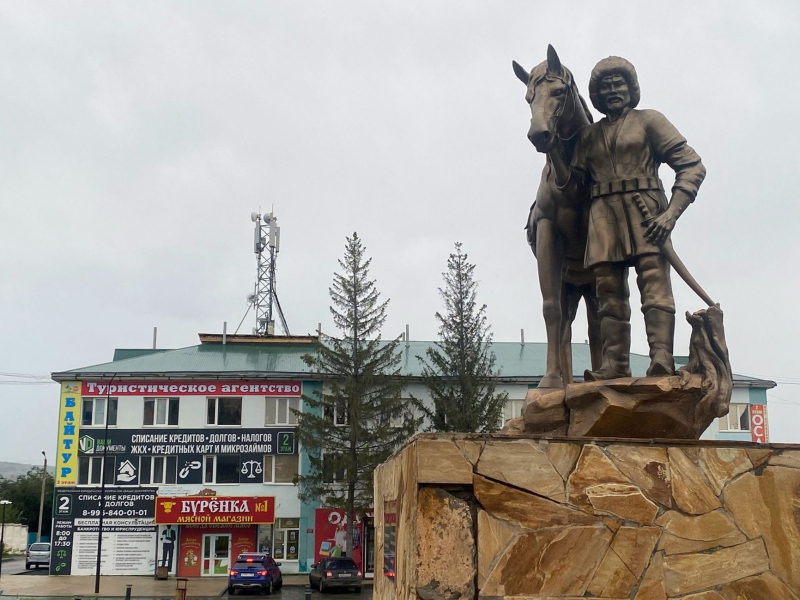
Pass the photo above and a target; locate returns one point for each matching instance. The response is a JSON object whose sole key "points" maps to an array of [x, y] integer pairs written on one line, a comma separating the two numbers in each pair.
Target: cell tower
{"points": [[266, 243]]}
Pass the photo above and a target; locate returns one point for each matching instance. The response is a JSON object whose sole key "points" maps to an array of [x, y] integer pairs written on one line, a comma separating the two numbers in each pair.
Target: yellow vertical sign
{"points": [[68, 413]]}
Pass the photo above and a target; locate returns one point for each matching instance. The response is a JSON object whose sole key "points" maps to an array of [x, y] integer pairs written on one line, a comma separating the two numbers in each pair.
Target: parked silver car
{"points": [[37, 554]]}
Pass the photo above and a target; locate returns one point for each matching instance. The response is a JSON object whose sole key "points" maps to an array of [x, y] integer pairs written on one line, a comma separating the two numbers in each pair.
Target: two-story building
{"points": [[193, 452]]}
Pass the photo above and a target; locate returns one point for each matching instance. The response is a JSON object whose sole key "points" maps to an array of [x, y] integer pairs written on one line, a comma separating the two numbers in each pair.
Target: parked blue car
{"points": [[255, 571]]}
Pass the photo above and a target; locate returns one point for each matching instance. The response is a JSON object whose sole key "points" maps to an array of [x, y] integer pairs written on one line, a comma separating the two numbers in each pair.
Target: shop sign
{"points": [[215, 510], [67, 443], [758, 424], [193, 388]]}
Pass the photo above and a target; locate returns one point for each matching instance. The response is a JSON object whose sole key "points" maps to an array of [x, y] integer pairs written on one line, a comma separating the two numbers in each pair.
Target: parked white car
{"points": [[37, 554]]}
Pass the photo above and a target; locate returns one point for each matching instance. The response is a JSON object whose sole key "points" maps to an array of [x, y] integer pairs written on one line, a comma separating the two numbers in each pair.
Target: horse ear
{"points": [[520, 72], [553, 62]]}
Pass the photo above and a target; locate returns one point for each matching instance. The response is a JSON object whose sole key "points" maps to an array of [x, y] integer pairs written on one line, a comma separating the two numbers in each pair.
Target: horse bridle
{"points": [[557, 116]]}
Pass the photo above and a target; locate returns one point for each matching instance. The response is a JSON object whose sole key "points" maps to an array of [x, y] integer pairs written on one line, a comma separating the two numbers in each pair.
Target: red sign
{"points": [[192, 388], [758, 423], [330, 539], [213, 510], [191, 560]]}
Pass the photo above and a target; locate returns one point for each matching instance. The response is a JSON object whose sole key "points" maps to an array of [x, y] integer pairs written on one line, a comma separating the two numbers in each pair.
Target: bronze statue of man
{"points": [[617, 161]]}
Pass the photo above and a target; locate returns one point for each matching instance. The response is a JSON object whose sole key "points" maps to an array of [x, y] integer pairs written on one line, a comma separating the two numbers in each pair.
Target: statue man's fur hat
{"points": [[609, 66]]}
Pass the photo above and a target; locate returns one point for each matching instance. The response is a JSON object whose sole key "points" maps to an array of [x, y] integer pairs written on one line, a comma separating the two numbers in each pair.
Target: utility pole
{"points": [[3, 534], [41, 498]]}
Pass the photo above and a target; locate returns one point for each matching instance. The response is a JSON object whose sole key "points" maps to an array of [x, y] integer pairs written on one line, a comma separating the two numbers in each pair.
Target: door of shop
{"points": [[216, 555]]}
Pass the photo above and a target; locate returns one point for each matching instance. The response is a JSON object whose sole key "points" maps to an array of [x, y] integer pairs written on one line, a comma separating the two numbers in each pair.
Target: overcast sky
{"points": [[137, 137]]}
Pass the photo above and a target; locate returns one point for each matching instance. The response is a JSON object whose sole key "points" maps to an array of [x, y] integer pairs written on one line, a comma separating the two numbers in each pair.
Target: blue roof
{"points": [[515, 361]]}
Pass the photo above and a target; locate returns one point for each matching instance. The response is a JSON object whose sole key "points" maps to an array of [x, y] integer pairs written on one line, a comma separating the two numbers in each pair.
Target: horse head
{"points": [[557, 109]]}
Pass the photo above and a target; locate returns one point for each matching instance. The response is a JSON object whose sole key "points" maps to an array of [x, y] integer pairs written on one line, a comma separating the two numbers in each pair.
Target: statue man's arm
{"points": [[570, 178], [670, 147]]}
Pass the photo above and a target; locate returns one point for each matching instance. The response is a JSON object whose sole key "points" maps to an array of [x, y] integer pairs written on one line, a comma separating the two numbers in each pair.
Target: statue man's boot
{"points": [[660, 327], [616, 336]]}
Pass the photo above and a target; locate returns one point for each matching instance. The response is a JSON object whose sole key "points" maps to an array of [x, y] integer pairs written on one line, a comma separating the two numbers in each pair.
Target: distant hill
{"points": [[11, 470]]}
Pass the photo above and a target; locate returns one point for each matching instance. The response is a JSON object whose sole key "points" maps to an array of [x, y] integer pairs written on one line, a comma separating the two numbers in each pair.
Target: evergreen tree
{"points": [[459, 369], [25, 493], [360, 418]]}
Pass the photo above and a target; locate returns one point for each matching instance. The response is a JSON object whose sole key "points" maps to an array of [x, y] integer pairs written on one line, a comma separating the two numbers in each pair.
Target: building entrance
{"points": [[216, 555]]}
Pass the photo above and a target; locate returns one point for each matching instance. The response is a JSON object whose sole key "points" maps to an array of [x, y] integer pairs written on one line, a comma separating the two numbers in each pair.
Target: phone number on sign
{"points": [[129, 512]]}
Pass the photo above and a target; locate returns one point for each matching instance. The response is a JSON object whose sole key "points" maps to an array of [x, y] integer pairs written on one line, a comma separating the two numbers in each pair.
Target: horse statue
{"points": [[558, 222]]}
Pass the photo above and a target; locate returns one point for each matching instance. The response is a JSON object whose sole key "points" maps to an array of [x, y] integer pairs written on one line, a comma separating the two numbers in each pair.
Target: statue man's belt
{"points": [[636, 184]]}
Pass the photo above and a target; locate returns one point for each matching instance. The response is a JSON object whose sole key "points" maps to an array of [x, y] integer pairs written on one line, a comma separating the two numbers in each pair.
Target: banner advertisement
{"points": [[330, 536], [759, 431], [184, 450], [67, 444], [129, 532], [193, 388], [215, 510]]}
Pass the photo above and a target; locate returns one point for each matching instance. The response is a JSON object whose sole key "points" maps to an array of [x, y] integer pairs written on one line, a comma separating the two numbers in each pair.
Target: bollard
{"points": [[307, 595], [128, 591], [180, 590]]}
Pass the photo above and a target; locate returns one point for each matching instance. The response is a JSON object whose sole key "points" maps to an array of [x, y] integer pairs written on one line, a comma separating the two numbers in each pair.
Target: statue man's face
{"points": [[614, 93]]}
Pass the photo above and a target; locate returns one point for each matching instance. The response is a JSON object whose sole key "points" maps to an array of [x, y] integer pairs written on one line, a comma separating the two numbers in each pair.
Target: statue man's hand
{"points": [[660, 227]]}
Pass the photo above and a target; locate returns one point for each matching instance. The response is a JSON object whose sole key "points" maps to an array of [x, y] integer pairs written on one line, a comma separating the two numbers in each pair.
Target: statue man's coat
{"points": [[617, 160]]}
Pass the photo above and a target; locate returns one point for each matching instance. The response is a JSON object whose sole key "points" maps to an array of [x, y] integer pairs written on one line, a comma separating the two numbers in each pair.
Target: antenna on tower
{"points": [[266, 244]]}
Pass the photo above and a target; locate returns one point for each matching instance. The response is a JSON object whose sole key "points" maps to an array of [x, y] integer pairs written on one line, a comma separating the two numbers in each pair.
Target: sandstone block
{"points": [[621, 500], [440, 461], [684, 534], [710, 595], [563, 457], [786, 458], [550, 562], [493, 537], [446, 564], [758, 455], [624, 562], [768, 506], [765, 586], [646, 467], [524, 464], [526, 510], [720, 465], [652, 586], [691, 493], [686, 573], [593, 468]]}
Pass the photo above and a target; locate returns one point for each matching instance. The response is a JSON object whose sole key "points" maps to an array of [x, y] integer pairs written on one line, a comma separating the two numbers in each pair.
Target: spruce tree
{"points": [[359, 417], [459, 369]]}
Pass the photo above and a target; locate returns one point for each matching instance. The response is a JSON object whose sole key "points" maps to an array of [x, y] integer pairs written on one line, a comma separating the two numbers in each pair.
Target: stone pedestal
{"points": [[460, 517]]}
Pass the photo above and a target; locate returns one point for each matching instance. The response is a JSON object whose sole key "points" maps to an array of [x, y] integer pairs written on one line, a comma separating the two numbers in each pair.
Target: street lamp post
{"points": [[4, 503], [41, 499]]}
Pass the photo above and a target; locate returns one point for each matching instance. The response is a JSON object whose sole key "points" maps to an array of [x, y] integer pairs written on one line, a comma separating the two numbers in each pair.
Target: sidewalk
{"points": [[83, 585]]}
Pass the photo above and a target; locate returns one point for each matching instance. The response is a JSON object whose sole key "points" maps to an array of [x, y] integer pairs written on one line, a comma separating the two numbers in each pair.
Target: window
{"points": [[90, 470], [332, 468], [224, 411], [400, 419], [158, 469], [221, 469], [512, 409], [337, 414], [161, 411], [737, 419], [93, 412], [281, 468], [279, 411]]}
